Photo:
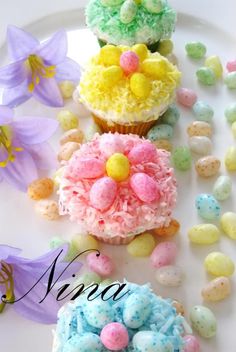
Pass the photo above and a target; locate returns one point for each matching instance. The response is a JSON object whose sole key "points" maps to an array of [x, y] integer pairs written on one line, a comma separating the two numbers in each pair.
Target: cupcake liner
{"points": [[117, 240]]}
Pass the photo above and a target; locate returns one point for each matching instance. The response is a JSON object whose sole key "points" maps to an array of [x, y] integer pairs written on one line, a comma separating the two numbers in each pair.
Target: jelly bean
{"points": [[72, 252], [199, 128], [206, 76], [84, 242], [140, 85], [168, 231], [156, 68], [178, 307], [74, 135], [230, 113], [230, 159], [143, 153], [87, 279], [182, 158], [186, 97], [231, 66], [136, 310], [214, 63], [118, 167], [153, 6], [48, 209], [152, 341], [90, 132], [204, 234], [207, 206], [163, 144], [114, 336], [164, 254], [107, 282], [141, 50], [217, 289], [40, 189], [129, 62], [219, 264], [222, 188], [195, 50], [233, 127], [111, 75], [230, 80], [58, 176], [88, 168], [207, 166], [67, 89], [200, 145], [111, 144], [165, 47], [203, 321], [68, 120], [169, 275], [98, 313], [203, 111], [101, 264], [103, 193], [191, 344], [171, 116], [145, 187], [84, 342], [128, 11], [67, 150], [110, 55], [162, 131], [111, 2], [142, 245], [228, 224]]}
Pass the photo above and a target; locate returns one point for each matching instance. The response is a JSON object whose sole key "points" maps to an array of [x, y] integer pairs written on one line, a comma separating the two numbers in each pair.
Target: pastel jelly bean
{"points": [[129, 62], [163, 144], [186, 97], [203, 321], [191, 344], [107, 282], [114, 336], [58, 176], [87, 279], [162, 131], [164, 254], [153, 6], [208, 166], [233, 127], [168, 231], [72, 252], [103, 193], [67, 89], [140, 85], [230, 113], [151, 341], [182, 158], [171, 116], [128, 11], [228, 224], [206, 76], [141, 50], [88, 168], [169, 275], [222, 188], [91, 130], [118, 167], [165, 47], [204, 234], [100, 264], [216, 290], [84, 342], [199, 128], [214, 63], [74, 135], [230, 159], [98, 313], [195, 50], [136, 311], [142, 153], [67, 150], [207, 206], [145, 187], [178, 307], [231, 66], [68, 120], [203, 111], [200, 145], [111, 144], [219, 264], [40, 189], [156, 68], [111, 75], [48, 209], [84, 242], [142, 245], [110, 55], [111, 2], [230, 80]]}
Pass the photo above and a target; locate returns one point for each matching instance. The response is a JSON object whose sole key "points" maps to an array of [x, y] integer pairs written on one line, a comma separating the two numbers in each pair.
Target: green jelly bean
{"points": [[165, 47], [230, 113], [195, 50], [206, 76], [57, 242], [87, 279], [230, 80], [182, 158], [203, 111], [162, 131], [128, 11], [171, 116]]}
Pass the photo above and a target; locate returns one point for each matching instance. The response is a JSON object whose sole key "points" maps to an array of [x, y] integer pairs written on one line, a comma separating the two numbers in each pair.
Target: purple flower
{"points": [[23, 147], [19, 275], [36, 68]]}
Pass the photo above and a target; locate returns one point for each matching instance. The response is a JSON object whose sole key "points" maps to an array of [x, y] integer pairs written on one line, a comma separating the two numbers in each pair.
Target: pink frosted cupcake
{"points": [[118, 186]]}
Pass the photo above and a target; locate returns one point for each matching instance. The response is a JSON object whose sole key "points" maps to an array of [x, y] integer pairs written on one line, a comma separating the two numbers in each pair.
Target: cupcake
{"points": [[129, 22], [127, 89], [137, 322], [117, 186]]}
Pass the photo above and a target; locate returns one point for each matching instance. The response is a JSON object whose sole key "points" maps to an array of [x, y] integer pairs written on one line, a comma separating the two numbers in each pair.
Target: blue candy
{"points": [[207, 206], [87, 342], [203, 111], [171, 116]]}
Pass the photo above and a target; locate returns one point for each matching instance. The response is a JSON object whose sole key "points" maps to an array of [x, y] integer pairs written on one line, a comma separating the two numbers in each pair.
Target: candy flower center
{"points": [[39, 70], [6, 144], [6, 280], [118, 167]]}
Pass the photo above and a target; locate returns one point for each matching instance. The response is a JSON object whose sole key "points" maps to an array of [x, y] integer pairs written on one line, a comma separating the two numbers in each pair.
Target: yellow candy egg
{"points": [[228, 224], [84, 242], [156, 68], [118, 167], [141, 50], [111, 75], [230, 159], [140, 85], [219, 264], [110, 55], [142, 246], [124, 48], [204, 234], [214, 63]]}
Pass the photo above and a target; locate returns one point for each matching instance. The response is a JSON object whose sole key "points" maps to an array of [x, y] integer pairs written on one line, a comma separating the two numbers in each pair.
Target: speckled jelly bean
{"points": [[114, 336], [153, 6], [186, 97], [230, 113], [203, 321], [74, 135], [169, 275], [67, 150], [199, 128], [162, 131], [200, 145], [67, 89], [152, 341], [230, 80], [40, 189], [145, 188], [163, 144], [128, 11], [228, 224], [222, 188], [207, 166], [203, 111], [165, 47], [129, 62], [171, 116], [85, 342], [164, 254], [231, 66], [142, 245], [98, 313], [219, 264], [72, 252], [136, 310], [204, 234], [207, 206], [145, 152], [48, 209], [182, 158], [214, 63], [230, 159], [84, 242], [233, 127], [100, 264], [195, 50], [206, 76], [191, 344], [178, 307], [103, 193], [217, 289], [168, 231], [68, 120]]}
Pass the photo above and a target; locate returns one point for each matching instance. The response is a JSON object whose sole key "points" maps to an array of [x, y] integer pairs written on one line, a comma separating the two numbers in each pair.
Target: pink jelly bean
{"points": [[100, 264], [114, 336], [191, 344], [143, 153], [87, 168], [111, 144], [144, 187], [129, 62], [164, 254], [186, 97], [103, 193], [231, 66]]}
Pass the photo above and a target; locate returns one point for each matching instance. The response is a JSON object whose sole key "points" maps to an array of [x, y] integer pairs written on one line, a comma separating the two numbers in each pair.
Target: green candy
{"points": [[206, 76], [111, 2], [87, 279], [230, 113], [128, 11], [153, 6], [203, 321], [195, 50], [230, 80], [162, 131], [171, 116], [165, 47], [203, 111], [57, 242], [182, 158]]}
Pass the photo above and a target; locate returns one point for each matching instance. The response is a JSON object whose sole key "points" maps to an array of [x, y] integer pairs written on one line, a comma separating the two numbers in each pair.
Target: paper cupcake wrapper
{"points": [[117, 240], [152, 47]]}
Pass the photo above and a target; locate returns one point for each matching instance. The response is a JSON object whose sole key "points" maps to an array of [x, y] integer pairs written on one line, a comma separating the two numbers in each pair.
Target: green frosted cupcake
{"points": [[129, 22]]}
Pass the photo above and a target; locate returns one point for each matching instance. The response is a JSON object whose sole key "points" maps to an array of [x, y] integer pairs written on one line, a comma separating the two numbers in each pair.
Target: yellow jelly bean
{"points": [[163, 144], [165, 47], [141, 50], [214, 63], [228, 224], [118, 167], [140, 85], [217, 289], [84, 242], [110, 55], [67, 88], [142, 245], [58, 176], [219, 264], [156, 68], [230, 159], [233, 127], [68, 120], [204, 234], [124, 48], [112, 75]]}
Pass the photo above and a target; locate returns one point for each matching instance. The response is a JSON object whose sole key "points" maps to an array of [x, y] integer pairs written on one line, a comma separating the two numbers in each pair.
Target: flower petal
{"points": [[6, 251], [13, 74], [6, 115], [34, 130], [68, 70], [54, 50], [44, 156], [20, 43], [48, 93], [13, 97]]}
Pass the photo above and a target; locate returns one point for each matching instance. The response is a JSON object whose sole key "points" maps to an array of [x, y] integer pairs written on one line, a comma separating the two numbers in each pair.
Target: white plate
{"points": [[31, 233]]}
